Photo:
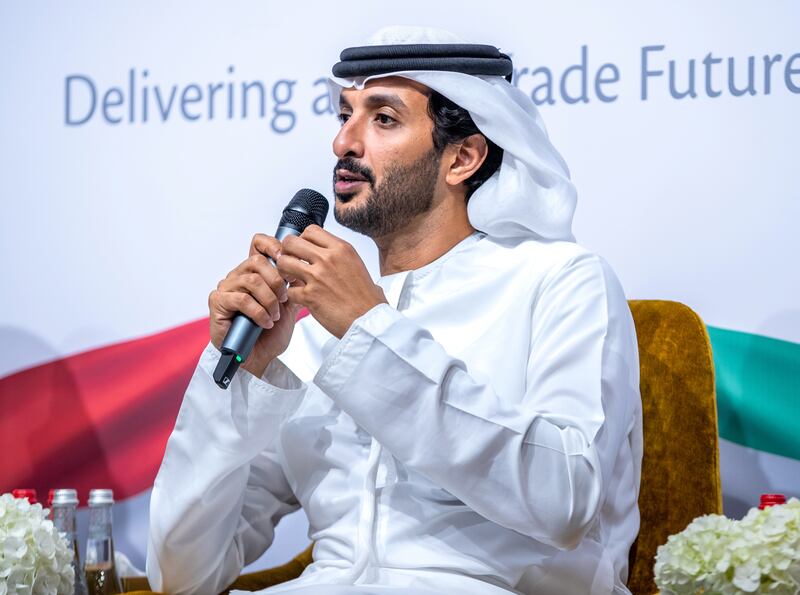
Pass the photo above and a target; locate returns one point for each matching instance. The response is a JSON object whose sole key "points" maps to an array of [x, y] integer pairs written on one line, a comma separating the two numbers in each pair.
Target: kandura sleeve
{"points": [[537, 465], [220, 490]]}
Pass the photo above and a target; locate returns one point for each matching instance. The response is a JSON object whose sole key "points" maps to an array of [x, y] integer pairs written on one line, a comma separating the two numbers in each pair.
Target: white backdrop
{"points": [[115, 231]]}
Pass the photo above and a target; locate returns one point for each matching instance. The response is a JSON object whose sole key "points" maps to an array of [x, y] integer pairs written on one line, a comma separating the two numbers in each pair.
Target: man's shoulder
{"points": [[542, 255], [546, 265]]}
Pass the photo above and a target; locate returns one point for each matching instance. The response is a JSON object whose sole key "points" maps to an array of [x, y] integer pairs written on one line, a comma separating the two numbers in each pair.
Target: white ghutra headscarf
{"points": [[531, 193]]}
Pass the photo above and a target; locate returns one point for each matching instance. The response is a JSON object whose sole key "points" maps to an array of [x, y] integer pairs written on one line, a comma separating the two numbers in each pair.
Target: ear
{"points": [[467, 157]]}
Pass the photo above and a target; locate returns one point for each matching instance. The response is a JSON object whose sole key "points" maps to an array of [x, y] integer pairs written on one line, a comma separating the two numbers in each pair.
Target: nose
{"points": [[349, 141]]}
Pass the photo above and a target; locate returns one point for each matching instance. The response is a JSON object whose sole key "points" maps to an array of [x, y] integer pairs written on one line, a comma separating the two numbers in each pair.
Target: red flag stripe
{"points": [[99, 418]]}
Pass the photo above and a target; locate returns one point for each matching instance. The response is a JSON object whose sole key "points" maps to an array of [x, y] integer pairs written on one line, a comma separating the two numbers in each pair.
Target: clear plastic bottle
{"points": [[101, 572], [64, 509]]}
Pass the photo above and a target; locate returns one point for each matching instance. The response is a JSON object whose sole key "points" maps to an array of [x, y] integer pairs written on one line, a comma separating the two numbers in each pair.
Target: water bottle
{"points": [[101, 573], [63, 511]]}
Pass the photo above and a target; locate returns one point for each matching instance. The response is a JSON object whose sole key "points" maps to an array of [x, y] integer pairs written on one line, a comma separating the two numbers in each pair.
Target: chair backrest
{"points": [[680, 468]]}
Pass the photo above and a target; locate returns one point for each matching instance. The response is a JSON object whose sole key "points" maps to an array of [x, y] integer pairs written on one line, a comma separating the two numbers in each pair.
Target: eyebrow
{"points": [[378, 100]]}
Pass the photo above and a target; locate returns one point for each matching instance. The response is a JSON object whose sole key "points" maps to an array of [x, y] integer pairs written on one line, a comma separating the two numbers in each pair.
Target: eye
{"points": [[385, 119], [343, 118]]}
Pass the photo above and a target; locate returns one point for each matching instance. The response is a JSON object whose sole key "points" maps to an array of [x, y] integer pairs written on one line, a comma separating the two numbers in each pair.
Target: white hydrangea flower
{"points": [[759, 554], [34, 558]]}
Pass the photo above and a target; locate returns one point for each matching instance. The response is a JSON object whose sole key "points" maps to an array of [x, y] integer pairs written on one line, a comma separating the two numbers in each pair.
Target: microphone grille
{"points": [[296, 219], [310, 202]]}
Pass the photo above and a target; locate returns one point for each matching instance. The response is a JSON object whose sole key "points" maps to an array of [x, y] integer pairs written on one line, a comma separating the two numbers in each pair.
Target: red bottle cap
{"points": [[771, 500], [28, 493]]}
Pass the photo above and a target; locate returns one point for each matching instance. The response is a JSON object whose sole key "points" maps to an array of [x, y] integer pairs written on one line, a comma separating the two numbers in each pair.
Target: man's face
{"points": [[388, 168]]}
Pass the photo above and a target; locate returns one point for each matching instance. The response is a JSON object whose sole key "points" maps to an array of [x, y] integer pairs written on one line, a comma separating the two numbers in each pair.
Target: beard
{"points": [[405, 192]]}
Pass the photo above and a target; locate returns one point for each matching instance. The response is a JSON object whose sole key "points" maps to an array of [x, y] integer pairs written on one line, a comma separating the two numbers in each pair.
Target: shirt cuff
{"points": [[278, 386]]}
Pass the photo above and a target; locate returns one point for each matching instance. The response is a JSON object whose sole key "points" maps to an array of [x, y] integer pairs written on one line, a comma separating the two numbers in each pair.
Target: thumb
{"points": [[295, 308]]}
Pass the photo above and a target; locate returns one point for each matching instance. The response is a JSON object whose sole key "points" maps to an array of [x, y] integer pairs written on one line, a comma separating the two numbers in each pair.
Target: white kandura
{"points": [[480, 434]]}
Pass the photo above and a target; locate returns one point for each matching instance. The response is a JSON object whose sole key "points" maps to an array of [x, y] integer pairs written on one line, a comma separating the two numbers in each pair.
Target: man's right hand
{"points": [[255, 288]]}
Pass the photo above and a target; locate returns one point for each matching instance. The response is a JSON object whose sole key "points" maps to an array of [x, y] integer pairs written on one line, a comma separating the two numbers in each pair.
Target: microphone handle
{"points": [[243, 334]]}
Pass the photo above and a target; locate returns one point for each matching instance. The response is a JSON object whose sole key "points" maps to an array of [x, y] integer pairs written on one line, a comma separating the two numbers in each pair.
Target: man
{"points": [[469, 424]]}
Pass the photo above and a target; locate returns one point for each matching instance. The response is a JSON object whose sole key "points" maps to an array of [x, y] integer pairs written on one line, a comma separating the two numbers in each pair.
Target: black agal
{"points": [[468, 58]]}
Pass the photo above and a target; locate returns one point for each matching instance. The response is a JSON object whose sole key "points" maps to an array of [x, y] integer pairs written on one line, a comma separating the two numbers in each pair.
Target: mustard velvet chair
{"points": [[680, 469]]}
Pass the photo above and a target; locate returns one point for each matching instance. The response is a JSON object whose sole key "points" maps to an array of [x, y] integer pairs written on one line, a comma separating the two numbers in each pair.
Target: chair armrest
{"points": [[137, 585], [255, 581]]}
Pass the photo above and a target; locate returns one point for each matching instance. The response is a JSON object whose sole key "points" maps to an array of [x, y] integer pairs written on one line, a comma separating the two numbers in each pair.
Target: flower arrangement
{"points": [[34, 558], [714, 554]]}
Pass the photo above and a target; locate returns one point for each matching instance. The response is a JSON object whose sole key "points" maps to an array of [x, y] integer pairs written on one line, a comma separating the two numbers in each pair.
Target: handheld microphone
{"points": [[306, 208]]}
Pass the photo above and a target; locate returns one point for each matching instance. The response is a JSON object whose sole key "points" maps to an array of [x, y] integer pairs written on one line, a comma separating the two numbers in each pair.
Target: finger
{"points": [[292, 268], [301, 248], [318, 236], [297, 297], [264, 244], [295, 309], [258, 263], [249, 264], [291, 309], [256, 286], [230, 303]]}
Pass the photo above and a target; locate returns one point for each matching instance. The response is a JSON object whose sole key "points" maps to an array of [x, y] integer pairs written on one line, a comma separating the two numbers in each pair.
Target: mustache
{"points": [[354, 166]]}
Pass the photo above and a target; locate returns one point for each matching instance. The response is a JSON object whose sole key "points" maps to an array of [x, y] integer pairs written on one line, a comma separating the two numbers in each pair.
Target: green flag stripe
{"points": [[758, 391]]}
